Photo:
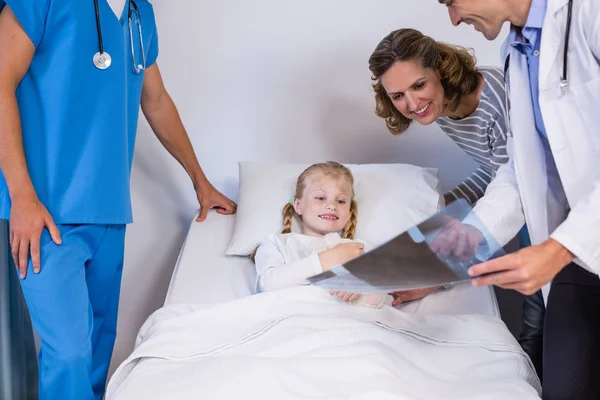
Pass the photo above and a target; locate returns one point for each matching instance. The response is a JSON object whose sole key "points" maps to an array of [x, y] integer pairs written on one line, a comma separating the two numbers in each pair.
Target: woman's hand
{"points": [[448, 199], [411, 295], [340, 254]]}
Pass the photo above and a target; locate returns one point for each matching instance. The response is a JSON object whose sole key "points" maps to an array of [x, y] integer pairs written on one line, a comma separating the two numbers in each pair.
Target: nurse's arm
{"points": [[163, 117], [28, 216], [16, 53]]}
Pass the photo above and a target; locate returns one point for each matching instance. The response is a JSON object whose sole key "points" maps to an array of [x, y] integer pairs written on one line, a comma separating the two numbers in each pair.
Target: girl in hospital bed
{"points": [[325, 208]]}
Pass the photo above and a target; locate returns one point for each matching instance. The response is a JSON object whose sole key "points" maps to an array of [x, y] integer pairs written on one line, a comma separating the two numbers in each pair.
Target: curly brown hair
{"points": [[455, 65]]}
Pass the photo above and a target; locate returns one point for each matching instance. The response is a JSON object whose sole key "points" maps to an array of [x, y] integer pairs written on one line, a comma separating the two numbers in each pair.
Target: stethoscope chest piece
{"points": [[102, 60]]}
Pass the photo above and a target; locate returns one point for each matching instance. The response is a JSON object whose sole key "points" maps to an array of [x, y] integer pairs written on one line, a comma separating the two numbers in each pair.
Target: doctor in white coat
{"points": [[553, 179]]}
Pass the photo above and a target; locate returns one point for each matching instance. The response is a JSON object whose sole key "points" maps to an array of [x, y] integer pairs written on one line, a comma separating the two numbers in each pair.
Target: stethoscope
{"points": [[102, 59], [563, 79]]}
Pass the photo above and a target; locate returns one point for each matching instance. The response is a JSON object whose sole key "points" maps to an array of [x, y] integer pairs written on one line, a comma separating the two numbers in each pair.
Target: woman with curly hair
{"points": [[416, 78]]}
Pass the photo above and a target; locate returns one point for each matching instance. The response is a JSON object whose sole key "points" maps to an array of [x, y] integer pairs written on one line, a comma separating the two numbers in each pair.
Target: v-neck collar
{"points": [[118, 7]]}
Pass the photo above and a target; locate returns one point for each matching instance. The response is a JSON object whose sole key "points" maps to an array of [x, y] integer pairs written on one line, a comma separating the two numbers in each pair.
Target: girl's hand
{"points": [[346, 296], [340, 254]]}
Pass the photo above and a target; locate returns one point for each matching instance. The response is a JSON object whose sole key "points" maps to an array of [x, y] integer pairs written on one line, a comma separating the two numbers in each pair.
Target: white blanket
{"points": [[302, 343]]}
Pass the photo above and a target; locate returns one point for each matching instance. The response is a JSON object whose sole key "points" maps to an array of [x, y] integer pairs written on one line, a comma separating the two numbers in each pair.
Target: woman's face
{"points": [[415, 91]]}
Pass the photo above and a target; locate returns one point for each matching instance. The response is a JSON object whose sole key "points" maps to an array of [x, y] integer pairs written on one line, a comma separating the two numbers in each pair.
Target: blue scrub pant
{"points": [[73, 303]]}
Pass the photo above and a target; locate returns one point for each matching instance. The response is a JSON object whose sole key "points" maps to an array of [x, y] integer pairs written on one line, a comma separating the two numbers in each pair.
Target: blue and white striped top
{"points": [[482, 135]]}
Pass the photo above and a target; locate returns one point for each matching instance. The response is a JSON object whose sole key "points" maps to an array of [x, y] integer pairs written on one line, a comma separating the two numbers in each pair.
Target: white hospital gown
{"points": [[287, 259]]}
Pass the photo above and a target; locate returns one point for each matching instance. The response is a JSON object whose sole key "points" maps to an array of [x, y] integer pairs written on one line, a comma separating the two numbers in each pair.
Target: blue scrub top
{"points": [[79, 123]]}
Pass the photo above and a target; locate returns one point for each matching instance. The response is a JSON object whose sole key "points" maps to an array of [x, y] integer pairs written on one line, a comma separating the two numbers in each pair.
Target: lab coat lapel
{"points": [[552, 43], [529, 156]]}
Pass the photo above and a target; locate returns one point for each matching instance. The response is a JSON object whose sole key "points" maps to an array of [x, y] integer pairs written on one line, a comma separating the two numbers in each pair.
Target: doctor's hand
{"points": [[526, 270], [209, 197], [28, 217], [457, 239]]}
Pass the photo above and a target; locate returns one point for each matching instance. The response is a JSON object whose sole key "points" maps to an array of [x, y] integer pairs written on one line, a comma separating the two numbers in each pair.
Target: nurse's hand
{"points": [[28, 217], [526, 270], [209, 197]]}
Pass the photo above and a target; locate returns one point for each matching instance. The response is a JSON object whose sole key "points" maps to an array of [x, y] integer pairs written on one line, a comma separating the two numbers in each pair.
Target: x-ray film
{"points": [[437, 251]]}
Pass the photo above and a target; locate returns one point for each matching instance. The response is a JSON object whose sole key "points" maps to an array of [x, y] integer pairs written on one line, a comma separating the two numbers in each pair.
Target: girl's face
{"points": [[415, 91], [325, 205]]}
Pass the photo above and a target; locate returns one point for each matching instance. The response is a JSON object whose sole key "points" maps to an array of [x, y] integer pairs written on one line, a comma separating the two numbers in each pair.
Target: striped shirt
{"points": [[482, 135]]}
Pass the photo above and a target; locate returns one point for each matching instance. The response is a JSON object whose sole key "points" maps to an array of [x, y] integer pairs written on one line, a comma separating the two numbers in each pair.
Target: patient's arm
{"points": [[340, 254], [275, 273]]}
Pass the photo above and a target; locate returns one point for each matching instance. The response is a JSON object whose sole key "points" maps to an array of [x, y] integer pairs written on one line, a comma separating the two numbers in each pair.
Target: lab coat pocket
{"points": [[583, 118]]}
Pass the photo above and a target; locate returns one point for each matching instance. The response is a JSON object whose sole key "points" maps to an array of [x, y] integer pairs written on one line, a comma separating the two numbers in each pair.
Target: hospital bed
{"points": [[190, 349], [204, 276]]}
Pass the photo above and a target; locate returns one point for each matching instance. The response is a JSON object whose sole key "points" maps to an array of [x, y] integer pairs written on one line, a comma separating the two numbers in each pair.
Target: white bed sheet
{"points": [[301, 343], [204, 274]]}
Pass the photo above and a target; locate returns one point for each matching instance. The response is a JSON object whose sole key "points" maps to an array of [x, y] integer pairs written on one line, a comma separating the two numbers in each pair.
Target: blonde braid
{"points": [[350, 228], [288, 215]]}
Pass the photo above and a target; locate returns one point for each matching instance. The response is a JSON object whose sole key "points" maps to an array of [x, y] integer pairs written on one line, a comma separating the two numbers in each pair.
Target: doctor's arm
{"points": [[577, 237], [530, 268], [525, 270], [163, 117], [28, 215]]}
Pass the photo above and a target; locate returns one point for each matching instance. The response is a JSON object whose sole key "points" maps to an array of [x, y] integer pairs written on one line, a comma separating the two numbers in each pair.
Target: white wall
{"points": [[268, 80]]}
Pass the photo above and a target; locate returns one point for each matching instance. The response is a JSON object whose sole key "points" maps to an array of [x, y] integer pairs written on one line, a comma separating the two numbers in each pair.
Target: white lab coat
{"points": [[572, 122]]}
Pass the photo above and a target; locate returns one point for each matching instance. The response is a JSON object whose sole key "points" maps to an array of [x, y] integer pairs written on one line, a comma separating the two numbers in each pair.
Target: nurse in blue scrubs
{"points": [[72, 79]]}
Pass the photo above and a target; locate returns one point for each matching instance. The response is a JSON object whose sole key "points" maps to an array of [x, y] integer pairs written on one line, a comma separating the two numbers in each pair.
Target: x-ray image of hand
{"points": [[457, 239], [454, 235], [437, 251]]}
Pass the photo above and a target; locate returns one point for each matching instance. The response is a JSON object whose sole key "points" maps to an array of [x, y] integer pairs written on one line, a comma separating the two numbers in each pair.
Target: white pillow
{"points": [[391, 198]]}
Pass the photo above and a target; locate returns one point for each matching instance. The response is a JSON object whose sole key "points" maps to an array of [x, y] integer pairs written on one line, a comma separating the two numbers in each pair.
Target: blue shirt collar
{"points": [[535, 20]]}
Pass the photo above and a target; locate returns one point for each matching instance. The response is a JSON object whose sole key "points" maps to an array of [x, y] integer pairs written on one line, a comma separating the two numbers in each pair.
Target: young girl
{"points": [[325, 207]]}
